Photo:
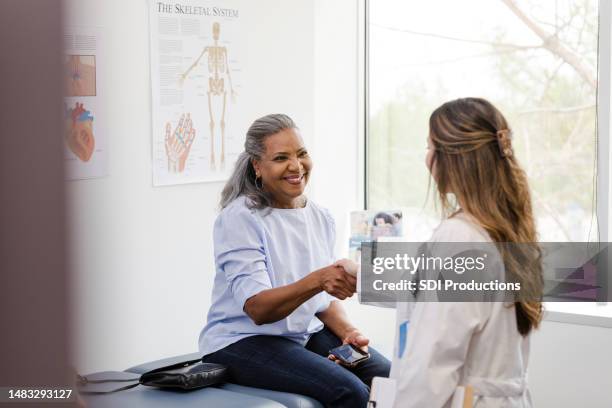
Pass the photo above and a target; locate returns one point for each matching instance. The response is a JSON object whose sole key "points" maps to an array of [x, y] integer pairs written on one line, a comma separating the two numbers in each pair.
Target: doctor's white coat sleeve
{"points": [[437, 345]]}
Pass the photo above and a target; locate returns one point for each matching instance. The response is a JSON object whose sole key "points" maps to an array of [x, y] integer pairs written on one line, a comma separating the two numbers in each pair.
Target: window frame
{"points": [[604, 155]]}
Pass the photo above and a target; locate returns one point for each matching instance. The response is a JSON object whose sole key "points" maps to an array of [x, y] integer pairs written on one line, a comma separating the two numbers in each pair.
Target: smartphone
{"points": [[349, 354]]}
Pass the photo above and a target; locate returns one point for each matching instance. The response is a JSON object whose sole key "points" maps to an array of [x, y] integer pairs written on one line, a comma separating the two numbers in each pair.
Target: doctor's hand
{"points": [[349, 266], [334, 280]]}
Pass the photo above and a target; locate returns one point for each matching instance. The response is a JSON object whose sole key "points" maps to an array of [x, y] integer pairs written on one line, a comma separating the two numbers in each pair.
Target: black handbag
{"points": [[187, 375]]}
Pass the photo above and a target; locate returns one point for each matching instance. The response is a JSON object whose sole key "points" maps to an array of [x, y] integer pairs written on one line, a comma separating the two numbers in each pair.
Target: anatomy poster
{"points": [[198, 53], [85, 135]]}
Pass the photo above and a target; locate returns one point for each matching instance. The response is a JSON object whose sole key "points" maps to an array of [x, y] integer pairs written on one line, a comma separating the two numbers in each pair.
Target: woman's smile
{"points": [[295, 179]]}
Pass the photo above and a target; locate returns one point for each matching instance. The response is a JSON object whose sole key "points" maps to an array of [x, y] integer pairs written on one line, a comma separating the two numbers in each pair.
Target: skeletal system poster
{"points": [[85, 133], [197, 60]]}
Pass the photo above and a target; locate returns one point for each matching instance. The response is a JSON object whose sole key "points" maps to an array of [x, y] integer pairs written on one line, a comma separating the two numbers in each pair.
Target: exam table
{"points": [[223, 396]]}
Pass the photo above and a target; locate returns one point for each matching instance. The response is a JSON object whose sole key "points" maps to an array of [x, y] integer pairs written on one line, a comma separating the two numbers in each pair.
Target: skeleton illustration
{"points": [[218, 67]]}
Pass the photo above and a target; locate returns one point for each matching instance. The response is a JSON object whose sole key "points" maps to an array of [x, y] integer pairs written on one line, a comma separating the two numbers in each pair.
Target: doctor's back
{"points": [[485, 198]]}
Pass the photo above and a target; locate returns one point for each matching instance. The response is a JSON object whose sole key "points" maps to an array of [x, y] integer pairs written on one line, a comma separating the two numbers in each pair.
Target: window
{"points": [[536, 60]]}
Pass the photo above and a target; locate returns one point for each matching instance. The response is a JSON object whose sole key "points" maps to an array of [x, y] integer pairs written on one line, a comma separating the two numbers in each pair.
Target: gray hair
{"points": [[242, 180]]}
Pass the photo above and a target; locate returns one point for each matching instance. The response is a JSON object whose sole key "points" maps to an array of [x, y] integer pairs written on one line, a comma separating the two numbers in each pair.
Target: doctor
{"points": [[485, 345]]}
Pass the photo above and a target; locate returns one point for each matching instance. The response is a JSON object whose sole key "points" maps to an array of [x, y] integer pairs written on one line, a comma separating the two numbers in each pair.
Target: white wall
{"points": [[570, 366], [336, 128], [142, 256]]}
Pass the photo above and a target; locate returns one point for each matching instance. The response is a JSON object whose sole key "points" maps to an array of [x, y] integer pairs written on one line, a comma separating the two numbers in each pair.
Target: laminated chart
{"points": [[85, 118], [197, 65]]}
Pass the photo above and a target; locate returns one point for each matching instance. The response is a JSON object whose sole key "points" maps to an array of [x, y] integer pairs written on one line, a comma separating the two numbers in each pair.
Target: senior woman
{"points": [[274, 313]]}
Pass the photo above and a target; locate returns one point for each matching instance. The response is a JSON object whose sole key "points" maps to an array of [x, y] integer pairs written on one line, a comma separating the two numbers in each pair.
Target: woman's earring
{"points": [[260, 185]]}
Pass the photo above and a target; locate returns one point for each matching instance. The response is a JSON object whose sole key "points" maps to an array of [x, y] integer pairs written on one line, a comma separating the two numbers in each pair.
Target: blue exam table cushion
{"points": [[287, 399], [150, 397]]}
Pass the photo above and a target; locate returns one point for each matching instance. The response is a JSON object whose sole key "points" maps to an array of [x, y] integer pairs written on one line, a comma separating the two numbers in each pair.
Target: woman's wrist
{"points": [[314, 281], [348, 330]]}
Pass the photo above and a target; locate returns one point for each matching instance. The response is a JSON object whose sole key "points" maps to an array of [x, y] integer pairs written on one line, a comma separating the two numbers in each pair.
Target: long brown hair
{"points": [[473, 159]]}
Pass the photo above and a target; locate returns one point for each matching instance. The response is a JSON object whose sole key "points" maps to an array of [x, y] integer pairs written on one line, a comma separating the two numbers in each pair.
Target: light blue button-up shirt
{"points": [[257, 250]]}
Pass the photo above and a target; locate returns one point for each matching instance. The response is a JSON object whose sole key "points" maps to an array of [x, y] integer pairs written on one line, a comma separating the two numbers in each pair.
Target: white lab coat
{"points": [[444, 345]]}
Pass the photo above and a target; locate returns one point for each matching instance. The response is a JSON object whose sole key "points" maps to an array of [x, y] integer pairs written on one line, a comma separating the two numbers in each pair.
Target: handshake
{"points": [[339, 279]]}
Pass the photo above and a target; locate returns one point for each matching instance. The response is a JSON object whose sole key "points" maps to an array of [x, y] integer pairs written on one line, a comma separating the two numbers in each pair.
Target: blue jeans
{"points": [[277, 363]]}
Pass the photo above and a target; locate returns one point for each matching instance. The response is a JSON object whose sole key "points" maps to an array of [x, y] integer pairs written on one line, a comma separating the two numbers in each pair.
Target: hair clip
{"points": [[504, 140]]}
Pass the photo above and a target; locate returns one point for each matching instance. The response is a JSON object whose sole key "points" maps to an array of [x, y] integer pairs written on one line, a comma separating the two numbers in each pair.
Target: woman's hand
{"points": [[354, 337], [349, 266], [357, 339], [334, 280]]}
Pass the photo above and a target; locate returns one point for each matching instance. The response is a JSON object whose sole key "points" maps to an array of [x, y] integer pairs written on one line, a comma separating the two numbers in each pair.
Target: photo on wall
{"points": [[374, 225]]}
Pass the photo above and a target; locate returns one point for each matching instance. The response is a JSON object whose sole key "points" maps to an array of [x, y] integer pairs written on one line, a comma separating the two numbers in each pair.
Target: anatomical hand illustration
{"points": [[178, 143], [79, 132], [80, 75]]}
